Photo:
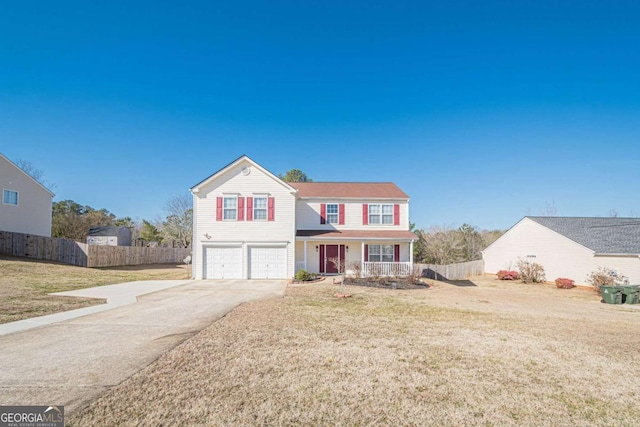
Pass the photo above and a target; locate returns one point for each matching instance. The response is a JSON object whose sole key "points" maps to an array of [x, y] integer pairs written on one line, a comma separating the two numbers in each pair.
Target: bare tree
{"points": [[178, 224], [33, 172], [442, 244], [613, 213], [549, 209]]}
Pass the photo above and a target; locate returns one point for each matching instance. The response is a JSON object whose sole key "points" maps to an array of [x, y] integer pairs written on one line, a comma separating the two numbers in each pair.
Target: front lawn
{"points": [[25, 284], [482, 353]]}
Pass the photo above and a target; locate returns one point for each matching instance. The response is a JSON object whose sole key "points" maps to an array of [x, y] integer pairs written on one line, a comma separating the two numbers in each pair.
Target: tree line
{"points": [[447, 245], [71, 220]]}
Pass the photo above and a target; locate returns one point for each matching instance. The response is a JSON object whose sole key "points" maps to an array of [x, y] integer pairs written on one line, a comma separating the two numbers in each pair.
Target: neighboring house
{"points": [[248, 223], [569, 247], [109, 236], [26, 204]]}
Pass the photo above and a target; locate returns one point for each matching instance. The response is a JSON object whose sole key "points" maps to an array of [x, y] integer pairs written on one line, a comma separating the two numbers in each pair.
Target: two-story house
{"points": [[248, 223], [26, 204]]}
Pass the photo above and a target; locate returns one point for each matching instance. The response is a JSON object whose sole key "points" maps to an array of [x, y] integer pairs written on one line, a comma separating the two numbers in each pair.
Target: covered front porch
{"points": [[364, 256]]}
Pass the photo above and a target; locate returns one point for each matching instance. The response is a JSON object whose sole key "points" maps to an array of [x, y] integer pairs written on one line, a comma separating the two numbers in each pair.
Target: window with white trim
{"points": [[380, 253], [230, 208], [10, 197], [332, 213], [260, 208], [381, 214]]}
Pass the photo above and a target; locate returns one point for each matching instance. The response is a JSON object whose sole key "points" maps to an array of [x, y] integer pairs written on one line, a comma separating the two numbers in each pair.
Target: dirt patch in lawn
{"points": [[25, 284], [488, 354]]}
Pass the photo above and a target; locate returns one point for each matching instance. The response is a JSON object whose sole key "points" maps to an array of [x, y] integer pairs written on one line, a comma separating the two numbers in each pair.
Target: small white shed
{"points": [[569, 247], [109, 236]]}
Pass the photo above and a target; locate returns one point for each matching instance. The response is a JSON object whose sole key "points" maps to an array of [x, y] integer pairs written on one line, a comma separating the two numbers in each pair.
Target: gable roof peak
{"points": [[245, 158]]}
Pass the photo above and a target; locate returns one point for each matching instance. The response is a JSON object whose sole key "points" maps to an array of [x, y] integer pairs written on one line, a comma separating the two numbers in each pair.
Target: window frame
{"points": [[380, 215], [5, 192], [335, 214], [225, 209], [265, 209], [378, 251]]}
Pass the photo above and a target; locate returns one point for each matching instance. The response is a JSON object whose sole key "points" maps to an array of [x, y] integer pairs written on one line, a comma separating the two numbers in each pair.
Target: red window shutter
{"points": [[249, 208], [240, 208], [396, 214], [270, 209], [321, 258], [341, 214], [365, 214], [366, 253], [342, 253], [218, 208], [323, 213], [396, 253]]}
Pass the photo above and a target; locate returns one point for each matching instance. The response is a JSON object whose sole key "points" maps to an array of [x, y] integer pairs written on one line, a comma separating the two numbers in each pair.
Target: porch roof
{"points": [[356, 235]]}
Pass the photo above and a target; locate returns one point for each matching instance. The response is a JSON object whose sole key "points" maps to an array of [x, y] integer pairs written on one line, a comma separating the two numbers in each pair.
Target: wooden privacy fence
{"points": [[113, 256], [459, 271], [83, 255]]}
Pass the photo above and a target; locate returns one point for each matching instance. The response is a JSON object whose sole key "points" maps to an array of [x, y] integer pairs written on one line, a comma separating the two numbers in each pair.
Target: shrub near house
{"points": [[507, 275], [564, 283]]}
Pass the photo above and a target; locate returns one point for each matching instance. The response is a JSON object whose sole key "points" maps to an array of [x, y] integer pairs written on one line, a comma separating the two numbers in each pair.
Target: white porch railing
{"points": [[386, 269], [300, 266]]}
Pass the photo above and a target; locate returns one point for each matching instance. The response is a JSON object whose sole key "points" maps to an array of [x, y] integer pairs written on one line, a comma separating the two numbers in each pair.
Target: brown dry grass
{"points": [[25, 284], [491, 354]]}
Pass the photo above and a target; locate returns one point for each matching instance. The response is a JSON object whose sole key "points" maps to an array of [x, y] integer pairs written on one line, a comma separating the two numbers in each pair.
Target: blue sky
{"points": [[483, 112]]}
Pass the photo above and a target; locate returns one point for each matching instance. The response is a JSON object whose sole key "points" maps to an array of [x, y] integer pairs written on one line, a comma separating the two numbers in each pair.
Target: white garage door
{"points": [[223, 263], [268, 263]]}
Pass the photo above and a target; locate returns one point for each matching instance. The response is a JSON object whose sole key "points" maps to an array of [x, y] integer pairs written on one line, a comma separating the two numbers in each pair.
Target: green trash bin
{"points": [[611, 294], [630, 294]]}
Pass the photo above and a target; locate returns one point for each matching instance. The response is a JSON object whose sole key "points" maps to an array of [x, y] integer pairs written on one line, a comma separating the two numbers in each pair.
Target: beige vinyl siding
{"points": [[308, 215], [32, 215], [560, 256], [281, 231], [354, 254]]}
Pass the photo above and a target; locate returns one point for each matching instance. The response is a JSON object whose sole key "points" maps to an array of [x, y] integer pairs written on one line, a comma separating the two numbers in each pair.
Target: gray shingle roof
{"points": [[602, 235], [107, 230]]}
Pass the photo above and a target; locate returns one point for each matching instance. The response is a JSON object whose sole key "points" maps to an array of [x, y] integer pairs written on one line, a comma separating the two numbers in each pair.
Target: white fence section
{"points": [[375, 269], [300, 266]]}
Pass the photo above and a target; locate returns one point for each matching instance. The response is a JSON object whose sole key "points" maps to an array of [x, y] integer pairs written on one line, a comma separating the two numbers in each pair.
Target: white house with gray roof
{"points": [[569, 247]]}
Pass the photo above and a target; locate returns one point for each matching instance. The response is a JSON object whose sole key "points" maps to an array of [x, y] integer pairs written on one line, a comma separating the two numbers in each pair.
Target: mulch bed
{"points": [[319, 279], [387, 284]]}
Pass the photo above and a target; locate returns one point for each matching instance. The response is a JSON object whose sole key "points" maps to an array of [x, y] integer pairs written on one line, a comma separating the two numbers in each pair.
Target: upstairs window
{"points": [[381, 214], [260, 208], [230, 208], [332, 213], [10, 197]]}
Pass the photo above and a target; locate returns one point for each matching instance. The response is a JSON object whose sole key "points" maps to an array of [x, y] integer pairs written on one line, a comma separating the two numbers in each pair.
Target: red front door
{"points": [[331, 254]]}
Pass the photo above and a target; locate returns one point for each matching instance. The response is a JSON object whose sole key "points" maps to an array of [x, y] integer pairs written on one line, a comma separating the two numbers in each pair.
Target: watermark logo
{"points": [[31, 416]]}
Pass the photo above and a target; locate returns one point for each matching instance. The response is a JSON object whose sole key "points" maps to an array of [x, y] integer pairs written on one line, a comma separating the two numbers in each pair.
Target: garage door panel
{"points": [[223, 263], [268, 262]]}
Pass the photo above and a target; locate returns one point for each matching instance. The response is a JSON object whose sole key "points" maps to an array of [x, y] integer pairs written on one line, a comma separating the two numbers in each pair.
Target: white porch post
{"points": [[362, 262], [411, 252], [305, 254]]}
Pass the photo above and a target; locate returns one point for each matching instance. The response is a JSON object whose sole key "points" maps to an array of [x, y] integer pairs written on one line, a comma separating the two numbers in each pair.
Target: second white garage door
{"points": [[223, 263], [267, 263]]}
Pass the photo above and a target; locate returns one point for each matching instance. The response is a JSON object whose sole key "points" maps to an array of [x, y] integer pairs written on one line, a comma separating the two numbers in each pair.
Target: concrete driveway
{"points": [[72, 362]]}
